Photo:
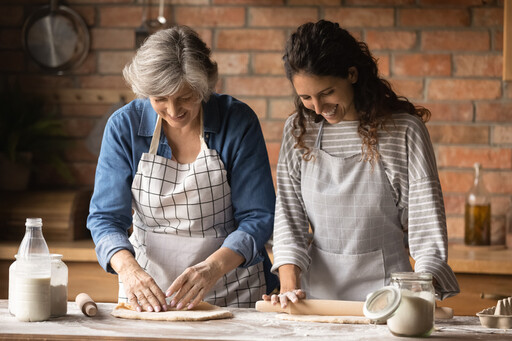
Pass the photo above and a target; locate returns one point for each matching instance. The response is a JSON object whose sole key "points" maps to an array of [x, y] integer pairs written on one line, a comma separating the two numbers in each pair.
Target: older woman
{"points": [[193, 168], [357, 167]]}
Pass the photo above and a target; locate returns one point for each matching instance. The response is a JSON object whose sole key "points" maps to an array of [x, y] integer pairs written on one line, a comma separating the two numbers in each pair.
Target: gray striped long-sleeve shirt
{"points": [[409, 162]]}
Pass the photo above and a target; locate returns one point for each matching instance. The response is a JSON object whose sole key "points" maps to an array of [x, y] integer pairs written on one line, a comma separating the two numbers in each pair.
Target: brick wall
{"points": [[443, 54]]}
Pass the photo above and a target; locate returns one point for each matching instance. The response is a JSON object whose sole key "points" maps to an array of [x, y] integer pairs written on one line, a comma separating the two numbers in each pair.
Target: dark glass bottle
{"points": [[477, 218]]}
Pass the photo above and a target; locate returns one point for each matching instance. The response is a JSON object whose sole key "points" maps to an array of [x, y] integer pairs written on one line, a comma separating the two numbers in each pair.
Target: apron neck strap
{"points": [[318, 142], [155, 140]]}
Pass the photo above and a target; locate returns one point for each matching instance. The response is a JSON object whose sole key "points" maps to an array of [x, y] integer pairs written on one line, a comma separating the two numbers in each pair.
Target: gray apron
{"points": [[357, 236], [182, 214]]}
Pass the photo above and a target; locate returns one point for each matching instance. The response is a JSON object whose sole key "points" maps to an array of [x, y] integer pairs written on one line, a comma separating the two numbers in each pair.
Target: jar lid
{"points": [[381, 304]]}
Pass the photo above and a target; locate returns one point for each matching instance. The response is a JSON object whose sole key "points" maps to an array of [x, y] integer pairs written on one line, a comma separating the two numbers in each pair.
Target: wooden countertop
{"points": [[462, 259], [247, 324]]}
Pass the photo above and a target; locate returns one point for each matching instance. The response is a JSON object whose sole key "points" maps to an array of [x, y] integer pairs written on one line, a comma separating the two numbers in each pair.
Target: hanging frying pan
{"points": [[56, 38]]}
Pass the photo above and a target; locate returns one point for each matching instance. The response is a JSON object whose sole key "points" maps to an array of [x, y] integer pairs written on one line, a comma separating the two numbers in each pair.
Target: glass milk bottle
{"points": [[59, 286], [32, 275], [12, 286], [477, 215]]}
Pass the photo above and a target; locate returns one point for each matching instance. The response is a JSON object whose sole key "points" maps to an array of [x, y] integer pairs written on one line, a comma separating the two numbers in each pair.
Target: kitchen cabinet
{"points": [[482, 272]]}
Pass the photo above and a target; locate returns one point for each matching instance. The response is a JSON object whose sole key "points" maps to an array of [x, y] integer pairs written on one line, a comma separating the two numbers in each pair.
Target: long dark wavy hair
{"points": [[325, 49]]}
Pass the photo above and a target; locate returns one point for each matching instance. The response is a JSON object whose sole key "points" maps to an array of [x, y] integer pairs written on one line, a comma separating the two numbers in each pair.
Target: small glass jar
{"points": [[59, 286], [408, 304]]}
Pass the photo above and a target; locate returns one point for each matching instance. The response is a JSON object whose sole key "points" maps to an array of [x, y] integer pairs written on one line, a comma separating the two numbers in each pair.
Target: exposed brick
{"points": [[314, 2], [478, 65], [497, 41], [361, 17], [232, 63], [410, 88], [281, 108], [458, 134], [500, 205], [10, 39], [210, 16], [250, 39], [112, 39], [433, 17], [103, 82], [258, 86], [273, 152], [421, 65], [78, 127], [87, 13], [84, 173], [249, 2], [456, 181], [451, 112], [494, 111], [463, 89], [11, 16], [272, 130], [268, 64], [88, 66], [502, 135], [120, 16], [455, 229], [390, 40], [281, 16], [113, 62], [383, 64], [446, 40], [508, 89], [41, 81], [206, 35], [498, 182], [258, 105], [454, 203], [456, 156], [379, 2], [84, 110], [450, 3], [79, 152], [488, 17]]}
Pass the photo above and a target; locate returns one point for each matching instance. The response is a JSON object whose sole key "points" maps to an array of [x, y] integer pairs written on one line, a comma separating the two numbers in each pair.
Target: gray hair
{"points": [[168, 60]]}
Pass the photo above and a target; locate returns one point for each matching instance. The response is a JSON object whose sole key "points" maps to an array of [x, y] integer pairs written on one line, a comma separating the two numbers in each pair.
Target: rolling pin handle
{"points": [[86, 304]]}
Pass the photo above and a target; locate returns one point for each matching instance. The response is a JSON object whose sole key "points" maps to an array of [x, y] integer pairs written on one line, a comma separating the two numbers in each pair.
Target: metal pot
{"points": [[56, 38]]}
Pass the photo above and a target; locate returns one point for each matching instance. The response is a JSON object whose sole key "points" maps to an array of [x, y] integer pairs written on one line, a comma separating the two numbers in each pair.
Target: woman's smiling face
{"points": [[178, 110], [329, 96]]}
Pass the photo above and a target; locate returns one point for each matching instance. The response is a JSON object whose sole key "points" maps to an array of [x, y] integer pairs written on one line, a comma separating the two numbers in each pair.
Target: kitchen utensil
{"points": [[56, 38], [489, 320], [315, 307], [161, 19], [86, 304], [149, 26]]}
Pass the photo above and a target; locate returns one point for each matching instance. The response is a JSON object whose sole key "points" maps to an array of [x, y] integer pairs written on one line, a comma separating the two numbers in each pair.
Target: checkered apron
{"points": [[182, 214], [357, 236]]}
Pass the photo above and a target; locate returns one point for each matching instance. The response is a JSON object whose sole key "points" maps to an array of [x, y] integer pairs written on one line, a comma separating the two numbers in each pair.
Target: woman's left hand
{"points": [[196, 281], [191, 286]]}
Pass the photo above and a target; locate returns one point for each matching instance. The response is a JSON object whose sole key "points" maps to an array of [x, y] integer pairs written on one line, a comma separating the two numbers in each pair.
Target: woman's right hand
{"points": [[289, 276], [140, 288]]}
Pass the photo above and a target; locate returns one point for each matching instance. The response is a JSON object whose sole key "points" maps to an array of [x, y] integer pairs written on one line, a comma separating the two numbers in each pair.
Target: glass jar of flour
{"points": [[59, 286], [408, 304]]}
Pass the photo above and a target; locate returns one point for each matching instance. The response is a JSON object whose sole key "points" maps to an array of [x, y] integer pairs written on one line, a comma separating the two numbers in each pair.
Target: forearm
{"points": [[123, 261], [224, 260], [289, 276]]}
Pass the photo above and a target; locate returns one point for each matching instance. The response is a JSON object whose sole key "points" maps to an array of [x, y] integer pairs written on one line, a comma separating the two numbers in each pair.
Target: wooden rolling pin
{"points": [[86, 304], [315, 307]]}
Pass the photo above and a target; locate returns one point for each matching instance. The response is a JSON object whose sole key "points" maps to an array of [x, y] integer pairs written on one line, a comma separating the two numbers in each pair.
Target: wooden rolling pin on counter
{"points": [[484, 275]]}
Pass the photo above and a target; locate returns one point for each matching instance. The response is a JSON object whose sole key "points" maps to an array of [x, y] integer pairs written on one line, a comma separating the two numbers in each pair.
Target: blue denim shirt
{"points": [[232, 129]]}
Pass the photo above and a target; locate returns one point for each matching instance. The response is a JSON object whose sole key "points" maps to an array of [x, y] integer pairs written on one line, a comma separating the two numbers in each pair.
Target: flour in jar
{"points": [[414, 316]]}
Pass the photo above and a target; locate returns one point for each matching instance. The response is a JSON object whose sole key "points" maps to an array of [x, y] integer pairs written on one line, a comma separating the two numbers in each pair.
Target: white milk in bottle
{"points": [[32, 275]]}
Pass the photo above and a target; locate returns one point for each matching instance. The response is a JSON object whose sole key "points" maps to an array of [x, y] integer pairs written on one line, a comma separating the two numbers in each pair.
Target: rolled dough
{"points": [[203, 311], [325, 319]]}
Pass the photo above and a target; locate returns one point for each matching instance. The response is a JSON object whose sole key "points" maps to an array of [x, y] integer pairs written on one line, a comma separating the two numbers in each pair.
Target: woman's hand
{"points": [[196, 281], [289, 276], [140, 288], [294, 296]]}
